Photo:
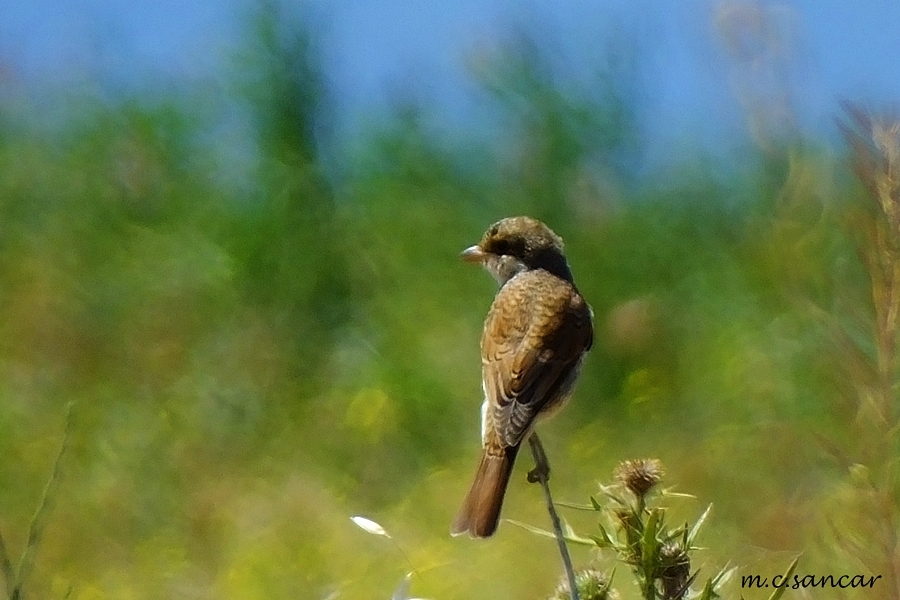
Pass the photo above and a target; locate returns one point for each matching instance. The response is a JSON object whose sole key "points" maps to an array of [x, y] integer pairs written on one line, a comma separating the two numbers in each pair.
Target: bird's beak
{"points": [[473, 254]]}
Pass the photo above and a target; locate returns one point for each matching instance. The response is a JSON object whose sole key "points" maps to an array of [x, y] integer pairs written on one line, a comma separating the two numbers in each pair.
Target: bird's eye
{"points": [[501, 247]]}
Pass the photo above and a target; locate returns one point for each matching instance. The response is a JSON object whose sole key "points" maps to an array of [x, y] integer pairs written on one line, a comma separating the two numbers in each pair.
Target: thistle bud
{"points": [[640, 475]]}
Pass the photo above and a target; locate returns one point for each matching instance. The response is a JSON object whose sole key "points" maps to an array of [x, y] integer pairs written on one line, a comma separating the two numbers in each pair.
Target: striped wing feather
{"points": [[534, 337]]}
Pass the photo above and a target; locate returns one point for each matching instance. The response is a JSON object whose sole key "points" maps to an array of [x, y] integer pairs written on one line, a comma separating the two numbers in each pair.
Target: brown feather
{"points": [[535, 335], [480, 511]]}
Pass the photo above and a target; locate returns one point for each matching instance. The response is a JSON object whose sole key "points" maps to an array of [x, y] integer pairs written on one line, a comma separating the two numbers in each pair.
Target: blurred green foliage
{"points": [[254, 363]]}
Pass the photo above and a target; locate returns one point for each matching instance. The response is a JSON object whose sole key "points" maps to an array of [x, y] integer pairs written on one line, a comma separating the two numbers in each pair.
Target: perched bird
{"points": [[535, 338]]}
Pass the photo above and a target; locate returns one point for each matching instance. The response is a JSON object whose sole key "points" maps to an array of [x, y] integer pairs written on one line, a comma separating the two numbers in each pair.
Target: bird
{"points": [[535, 338]]}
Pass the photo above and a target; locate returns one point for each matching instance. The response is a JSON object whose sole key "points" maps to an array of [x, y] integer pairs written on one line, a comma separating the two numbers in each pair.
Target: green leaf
{"points": [[596, 504], [633, 526], [573, 537], [787, 575], [709, 592], [583, 541], [671, 493], [610, 492], [576, 506], [603, 540], [531, 528], [649, 543], [696, 528], [678, 532], [603, 592], [723, 576]]}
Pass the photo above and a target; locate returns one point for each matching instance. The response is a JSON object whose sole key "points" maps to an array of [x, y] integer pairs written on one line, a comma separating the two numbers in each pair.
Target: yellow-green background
{"points": [[255, 358]]}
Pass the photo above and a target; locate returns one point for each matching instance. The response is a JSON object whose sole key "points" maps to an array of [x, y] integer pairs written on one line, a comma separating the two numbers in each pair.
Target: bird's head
{"points": [[517, 244]]}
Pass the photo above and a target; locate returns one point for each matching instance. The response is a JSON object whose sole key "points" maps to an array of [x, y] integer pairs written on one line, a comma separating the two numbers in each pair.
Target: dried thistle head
{"points": [[640, 475], [591, 584], [674, 571]]}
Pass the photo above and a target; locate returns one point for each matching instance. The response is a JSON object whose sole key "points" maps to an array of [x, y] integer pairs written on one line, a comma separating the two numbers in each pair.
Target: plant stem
{"points": [[541, 474], [36, 527]]}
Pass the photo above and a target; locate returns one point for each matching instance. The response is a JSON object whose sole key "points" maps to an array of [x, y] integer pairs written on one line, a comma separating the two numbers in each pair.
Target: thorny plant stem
{"points": [[541, 474]]}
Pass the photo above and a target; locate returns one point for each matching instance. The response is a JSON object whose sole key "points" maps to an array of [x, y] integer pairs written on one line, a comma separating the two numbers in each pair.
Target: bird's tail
{"points": [[480, 511]]}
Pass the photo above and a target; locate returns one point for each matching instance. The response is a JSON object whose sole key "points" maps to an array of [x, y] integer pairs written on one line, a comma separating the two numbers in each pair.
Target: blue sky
{"points": [[829, 50]]}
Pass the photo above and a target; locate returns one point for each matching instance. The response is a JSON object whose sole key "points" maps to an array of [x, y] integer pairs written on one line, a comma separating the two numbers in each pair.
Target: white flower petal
{"points": [[369, 525]]}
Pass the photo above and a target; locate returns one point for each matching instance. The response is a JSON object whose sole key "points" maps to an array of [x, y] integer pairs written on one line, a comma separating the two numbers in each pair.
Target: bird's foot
{"points": [[541, 471]]}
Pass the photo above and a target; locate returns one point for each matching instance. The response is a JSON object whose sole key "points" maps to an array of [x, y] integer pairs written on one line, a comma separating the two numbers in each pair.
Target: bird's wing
{"points": [[535, 335]]}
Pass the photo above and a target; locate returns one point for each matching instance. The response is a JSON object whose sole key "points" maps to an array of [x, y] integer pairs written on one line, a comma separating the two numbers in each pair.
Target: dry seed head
{"points": [[640, 475]]}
